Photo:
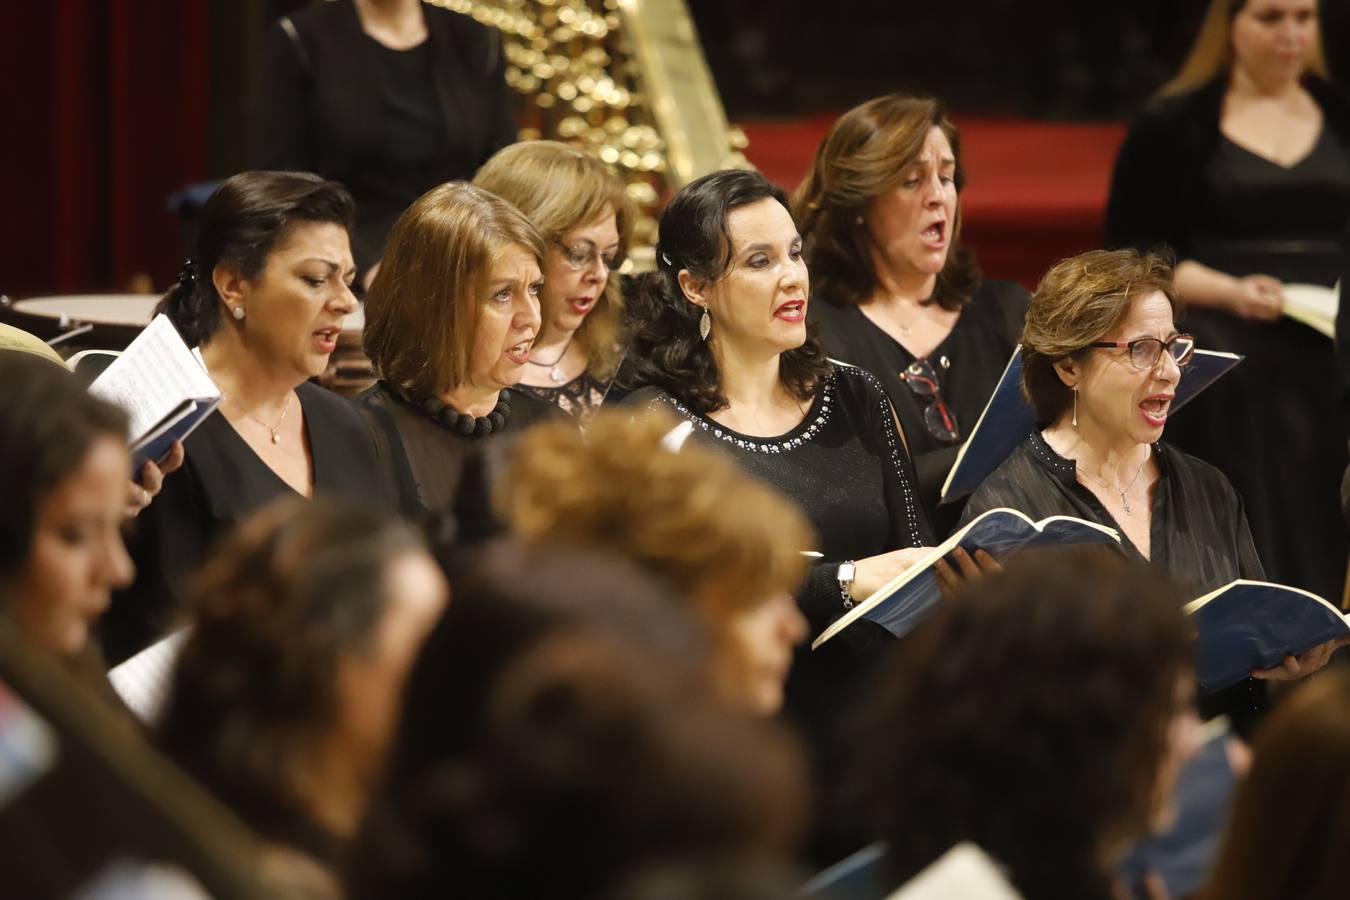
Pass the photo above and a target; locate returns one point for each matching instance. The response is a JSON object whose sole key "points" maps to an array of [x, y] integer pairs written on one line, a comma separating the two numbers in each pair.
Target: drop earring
{"points": [[1075, 405], [704, 324], [238, 313]]}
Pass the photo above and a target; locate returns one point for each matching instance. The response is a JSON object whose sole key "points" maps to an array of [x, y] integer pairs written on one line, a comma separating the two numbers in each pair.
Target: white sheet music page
{"points": [[155, 376]]}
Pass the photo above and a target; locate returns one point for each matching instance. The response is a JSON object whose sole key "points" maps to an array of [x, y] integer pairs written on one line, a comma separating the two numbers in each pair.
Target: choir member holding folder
{"points": [[720, 338], [264, 297], [1102, 359], [895, 292], [450, 320]]}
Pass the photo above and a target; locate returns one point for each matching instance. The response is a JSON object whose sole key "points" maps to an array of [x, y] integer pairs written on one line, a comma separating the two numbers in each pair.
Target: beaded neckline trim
{"points": [[763, 445]]}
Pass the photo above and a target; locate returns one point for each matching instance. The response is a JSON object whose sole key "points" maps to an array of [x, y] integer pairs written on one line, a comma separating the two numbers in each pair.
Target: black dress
{"points": [[388, 124], [967, 363], [1272, 424], [1198, 533], [221, 483], [422, 457], [845, 466]]}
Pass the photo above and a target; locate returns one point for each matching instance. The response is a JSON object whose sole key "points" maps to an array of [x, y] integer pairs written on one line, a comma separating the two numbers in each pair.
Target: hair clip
{"points": [[187, 277], [666, 259]]}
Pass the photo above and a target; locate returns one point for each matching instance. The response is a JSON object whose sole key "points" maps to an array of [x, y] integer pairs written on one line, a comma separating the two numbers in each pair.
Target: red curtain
{"points": [[107, 103]]}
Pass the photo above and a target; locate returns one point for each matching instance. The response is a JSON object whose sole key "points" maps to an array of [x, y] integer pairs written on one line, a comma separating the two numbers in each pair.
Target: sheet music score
{"points": [[155, 375]]}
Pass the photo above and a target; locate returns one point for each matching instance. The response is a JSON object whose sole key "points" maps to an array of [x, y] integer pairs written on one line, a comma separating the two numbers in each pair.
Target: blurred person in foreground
{"points": [[286, 692]]}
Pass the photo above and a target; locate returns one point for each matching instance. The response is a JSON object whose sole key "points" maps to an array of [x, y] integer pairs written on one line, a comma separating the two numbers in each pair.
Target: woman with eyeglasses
{"points": [[895, 292], [1241, 165], [1101, 363], [583, 213]]}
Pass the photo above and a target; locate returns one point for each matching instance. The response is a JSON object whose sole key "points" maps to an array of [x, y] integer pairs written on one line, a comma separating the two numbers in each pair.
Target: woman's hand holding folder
{"points": [[140, 495], [1295, 667]]}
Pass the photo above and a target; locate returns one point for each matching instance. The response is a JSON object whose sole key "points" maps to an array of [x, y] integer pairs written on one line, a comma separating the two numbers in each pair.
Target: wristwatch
{"points": [[847, 570]]}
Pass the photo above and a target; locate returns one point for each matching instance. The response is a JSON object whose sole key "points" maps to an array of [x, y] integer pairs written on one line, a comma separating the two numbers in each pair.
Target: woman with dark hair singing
{"points": [[721, 338], [897, 294], [264, 297]]}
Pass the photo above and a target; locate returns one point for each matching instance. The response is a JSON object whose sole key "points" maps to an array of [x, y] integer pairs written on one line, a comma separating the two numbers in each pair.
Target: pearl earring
{"points": [[238, 312]]}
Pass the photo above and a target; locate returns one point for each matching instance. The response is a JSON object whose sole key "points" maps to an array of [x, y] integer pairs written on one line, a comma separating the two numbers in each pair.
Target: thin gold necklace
{"points": [[276, 437], [1124, 499]]}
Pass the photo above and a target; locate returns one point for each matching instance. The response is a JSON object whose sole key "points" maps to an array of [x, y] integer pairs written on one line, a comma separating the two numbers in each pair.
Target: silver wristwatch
{"points": [[847, 570]]}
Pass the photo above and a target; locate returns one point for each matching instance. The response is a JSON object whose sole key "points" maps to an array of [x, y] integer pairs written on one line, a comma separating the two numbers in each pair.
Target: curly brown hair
{"points": [[867, 152], [1030, 716], [665, 349], [1080, 300]]}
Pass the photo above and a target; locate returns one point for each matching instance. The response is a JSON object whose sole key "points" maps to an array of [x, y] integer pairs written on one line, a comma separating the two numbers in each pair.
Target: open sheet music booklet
{"points": [[164, 388], [907, 598], [1008, 418], [1248, 625], [1313, 305]]}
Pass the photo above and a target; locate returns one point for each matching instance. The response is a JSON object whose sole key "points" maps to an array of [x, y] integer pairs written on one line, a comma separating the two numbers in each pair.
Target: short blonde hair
{"points": [[559, 188], [1212, 53], [719, 535], [1080, 300], [422, 309]]}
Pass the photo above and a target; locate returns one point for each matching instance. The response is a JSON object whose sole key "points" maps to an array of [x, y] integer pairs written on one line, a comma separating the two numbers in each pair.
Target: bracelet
{"points": [[847, 571]]}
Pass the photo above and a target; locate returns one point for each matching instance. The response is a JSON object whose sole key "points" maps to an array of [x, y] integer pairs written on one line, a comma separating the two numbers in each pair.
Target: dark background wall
{"points": [[112, 105]]}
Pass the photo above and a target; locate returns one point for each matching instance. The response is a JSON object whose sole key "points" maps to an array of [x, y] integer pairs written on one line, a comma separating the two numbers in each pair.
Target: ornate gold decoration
{"points": [[625, 78]]}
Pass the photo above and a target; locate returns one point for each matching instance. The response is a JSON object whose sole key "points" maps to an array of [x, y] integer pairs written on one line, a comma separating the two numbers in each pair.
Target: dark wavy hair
{"points": [[1028, 715], [868, 151], [299, 588], [48, 422], [665, 349], [246, 218]]}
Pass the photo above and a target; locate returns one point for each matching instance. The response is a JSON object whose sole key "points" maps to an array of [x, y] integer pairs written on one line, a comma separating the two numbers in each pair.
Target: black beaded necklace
{"points": [[458, 422]]}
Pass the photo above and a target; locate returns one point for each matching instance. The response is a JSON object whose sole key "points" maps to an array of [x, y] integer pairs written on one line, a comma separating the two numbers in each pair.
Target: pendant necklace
{"points": [[1124, 501], [555, 372], [274, 429]]}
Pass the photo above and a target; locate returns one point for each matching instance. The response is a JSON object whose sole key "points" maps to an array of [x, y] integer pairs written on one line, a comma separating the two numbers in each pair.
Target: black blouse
{"points": [[1199, 532], [844, 465], [580, 398], [221, 483], [847, 469], [967, 363], [422, 457]]}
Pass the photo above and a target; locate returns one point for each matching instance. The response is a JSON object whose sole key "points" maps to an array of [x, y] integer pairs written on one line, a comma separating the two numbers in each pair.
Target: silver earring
{"points": [[704, 324], [238, 312], [1075, 406]]}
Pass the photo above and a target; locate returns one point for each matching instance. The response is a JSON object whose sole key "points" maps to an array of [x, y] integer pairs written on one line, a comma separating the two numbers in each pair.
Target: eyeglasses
{"points": [[584, 255], [1145, 352], [937, 416]]}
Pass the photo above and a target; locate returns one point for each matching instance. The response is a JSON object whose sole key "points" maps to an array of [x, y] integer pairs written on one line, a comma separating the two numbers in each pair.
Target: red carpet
{"points": [[1035, 191]]}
